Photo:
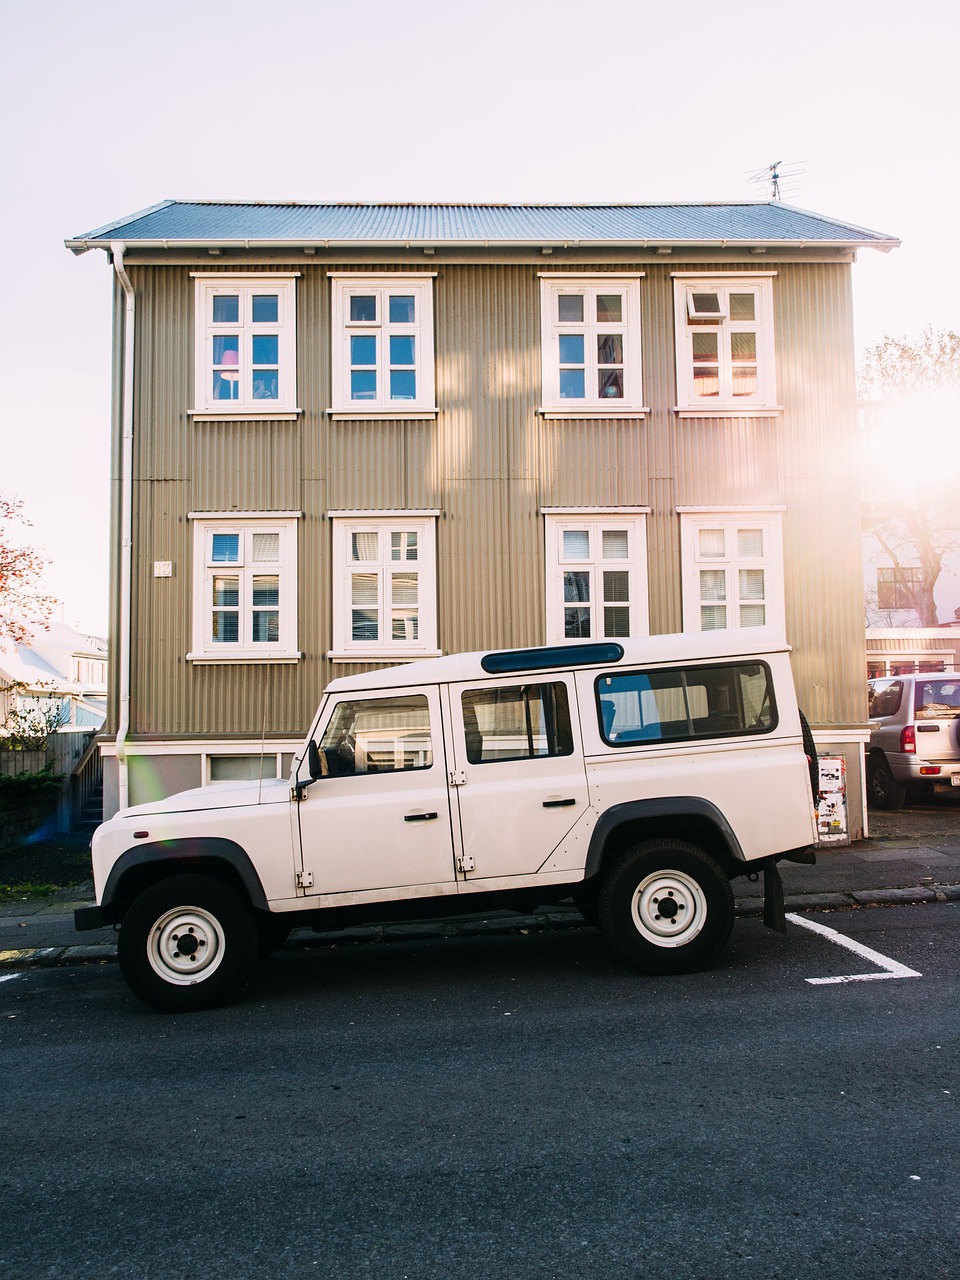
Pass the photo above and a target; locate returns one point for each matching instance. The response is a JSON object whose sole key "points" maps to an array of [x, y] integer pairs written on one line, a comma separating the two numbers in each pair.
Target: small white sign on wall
{"points": [[832, 804]]}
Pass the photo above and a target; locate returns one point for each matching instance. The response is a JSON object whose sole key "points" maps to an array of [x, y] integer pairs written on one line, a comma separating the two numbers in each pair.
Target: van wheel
{"points": [[883, 789], [186, 943], [667, 907]]}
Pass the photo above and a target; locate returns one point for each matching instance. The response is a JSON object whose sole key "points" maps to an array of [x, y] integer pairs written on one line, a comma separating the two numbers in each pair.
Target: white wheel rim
{"points": [[669, 908], [186, 946]]}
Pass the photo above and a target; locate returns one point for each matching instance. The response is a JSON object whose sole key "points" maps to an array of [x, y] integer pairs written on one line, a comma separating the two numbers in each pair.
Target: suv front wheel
{"points": [[667, 907], [186, 943]]}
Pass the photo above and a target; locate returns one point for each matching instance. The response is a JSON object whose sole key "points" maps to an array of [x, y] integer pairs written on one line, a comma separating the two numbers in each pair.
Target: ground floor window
{"points": [[731, 568], [596, 565]]}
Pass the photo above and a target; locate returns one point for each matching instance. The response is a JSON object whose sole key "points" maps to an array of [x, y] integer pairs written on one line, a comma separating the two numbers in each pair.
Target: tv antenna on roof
{"points": [[778, 176]]}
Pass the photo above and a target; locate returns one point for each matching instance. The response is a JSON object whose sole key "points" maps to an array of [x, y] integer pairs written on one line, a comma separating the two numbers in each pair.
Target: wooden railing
{"points": [[86, 780]]}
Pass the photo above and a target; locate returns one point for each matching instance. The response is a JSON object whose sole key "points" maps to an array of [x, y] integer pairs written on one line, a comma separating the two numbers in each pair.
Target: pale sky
{"points": [[108, 112]]}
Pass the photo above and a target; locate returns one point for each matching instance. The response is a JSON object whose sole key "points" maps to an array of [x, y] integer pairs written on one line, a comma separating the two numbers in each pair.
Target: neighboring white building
{"points": [[60, 665]]}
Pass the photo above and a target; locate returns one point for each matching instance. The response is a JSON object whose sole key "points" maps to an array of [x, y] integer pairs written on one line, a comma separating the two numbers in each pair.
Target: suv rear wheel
{"points": [[883, 789], [186, 943], [667, 907]]}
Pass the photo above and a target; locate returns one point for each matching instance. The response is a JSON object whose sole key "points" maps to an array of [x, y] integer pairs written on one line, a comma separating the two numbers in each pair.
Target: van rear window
{"points": [[685, 702]]}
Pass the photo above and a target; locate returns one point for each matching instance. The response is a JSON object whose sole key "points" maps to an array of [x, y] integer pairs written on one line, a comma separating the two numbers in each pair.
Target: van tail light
{"points": [[908, 741]]}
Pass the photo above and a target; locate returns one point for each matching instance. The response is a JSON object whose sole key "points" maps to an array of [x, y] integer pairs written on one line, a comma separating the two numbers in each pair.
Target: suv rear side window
{"points": [[685, 703], [885, 697], [937, 699], [517, 723]]}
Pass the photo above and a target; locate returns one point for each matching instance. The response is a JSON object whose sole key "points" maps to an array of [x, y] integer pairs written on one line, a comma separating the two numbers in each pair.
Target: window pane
{"points": [[616, 623], [742, 306], [576, 624], [266, 548], [403, 546], [713, 617], [364, 625], [706, 382], [610, 384], [363, 546], [609, 308], [402, 309], [753, 615], [266, 385], [705, 348], [402, 349], [405, 624], [572, 384], [713, 584], [706, 304], [751, 584], [265, 308], [616, 544], [404, 589], [744, 382], [266, 349], [226, 308], [616, 586], [363, 349], [381, 735], [743, 346], [570, 308], [226, 627], [364, 589], [576, 586], [516, 723], [226, 592], [226, 349], [266, 626], [226, 548], [363, 384], [242, 768], [571, 348], [712, 542], [226, 386], [609, 348], [363, 307], [266, 590], [750, 543], [576, 544], [403, 384]]}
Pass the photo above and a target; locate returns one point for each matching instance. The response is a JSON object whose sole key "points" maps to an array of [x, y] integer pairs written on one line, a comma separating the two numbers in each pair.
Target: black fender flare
{"points": [[179, 852], [658, 807]]}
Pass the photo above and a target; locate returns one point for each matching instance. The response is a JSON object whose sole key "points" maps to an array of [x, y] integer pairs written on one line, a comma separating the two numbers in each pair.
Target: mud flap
{"points": [[774, 910]]}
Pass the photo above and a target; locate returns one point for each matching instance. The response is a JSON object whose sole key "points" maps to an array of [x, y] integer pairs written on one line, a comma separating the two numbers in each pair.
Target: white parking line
{"points": [[890, 968], [5, 977]]}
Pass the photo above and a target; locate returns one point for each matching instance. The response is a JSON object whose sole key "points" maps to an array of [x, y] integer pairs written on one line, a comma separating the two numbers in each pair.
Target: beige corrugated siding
{"points": [[489, 462]]}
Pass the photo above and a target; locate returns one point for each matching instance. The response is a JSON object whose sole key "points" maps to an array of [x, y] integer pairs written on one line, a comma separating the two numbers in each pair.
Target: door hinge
{"points": [[466, 863], [457, 777], [304, 879]]}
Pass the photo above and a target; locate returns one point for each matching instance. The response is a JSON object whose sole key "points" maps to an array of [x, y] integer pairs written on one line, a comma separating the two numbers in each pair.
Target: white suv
{"points": [[637, 778]]}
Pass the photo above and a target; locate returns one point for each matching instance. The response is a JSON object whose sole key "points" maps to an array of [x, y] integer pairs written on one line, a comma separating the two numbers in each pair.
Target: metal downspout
{"points": [[126, 522]]}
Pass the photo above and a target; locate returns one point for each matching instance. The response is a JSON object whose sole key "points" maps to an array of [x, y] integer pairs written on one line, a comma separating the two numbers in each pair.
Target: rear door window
{"points": [[937, 699]]}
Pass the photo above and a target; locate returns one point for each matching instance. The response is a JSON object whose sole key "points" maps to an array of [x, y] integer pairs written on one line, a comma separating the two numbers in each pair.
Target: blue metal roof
{"points": [[190, 223]]}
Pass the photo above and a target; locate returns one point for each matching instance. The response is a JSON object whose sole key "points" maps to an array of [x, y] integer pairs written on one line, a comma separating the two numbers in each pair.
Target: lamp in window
{"points": [[230, 362]]}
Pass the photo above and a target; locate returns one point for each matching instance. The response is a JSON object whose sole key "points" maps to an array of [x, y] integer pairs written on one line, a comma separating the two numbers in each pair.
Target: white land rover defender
{"points": [[637, 779]]}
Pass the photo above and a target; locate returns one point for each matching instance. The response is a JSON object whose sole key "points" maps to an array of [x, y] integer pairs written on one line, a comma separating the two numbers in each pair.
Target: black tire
{"points": [[215, 928], [651, 875], [883, 789], [810, 749]]}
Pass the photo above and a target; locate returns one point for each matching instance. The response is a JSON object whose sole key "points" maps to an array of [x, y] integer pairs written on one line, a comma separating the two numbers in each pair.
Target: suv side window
{"points": [[377, 735], [885, 698], [517, 722], [684, 703]]}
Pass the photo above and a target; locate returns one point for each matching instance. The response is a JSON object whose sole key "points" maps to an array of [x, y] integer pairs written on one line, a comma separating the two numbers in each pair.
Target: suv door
{"points": [[519, 769], [379, 817]]}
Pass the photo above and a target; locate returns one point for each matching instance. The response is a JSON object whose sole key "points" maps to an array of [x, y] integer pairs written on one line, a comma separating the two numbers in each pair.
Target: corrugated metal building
{"points": [[348, 435]]}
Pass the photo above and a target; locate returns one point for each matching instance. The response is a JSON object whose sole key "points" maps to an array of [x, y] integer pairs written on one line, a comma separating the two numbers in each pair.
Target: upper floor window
{"points": [[246, 348], [384, 585], [899, 587], [245, 588], [724, 330], [590, 336], [596, 575], [732, 569], [383, 345]]}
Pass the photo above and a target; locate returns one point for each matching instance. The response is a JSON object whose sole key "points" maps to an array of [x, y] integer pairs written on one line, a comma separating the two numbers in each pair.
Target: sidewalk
{"points": [[911, 857]]}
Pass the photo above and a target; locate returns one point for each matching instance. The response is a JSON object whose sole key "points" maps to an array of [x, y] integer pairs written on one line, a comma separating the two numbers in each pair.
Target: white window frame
{"points": [[385, 648], [596, 521], [552, 287], [208, 286], [686, 316], [382, 286], [694, 520], [205, 524]]}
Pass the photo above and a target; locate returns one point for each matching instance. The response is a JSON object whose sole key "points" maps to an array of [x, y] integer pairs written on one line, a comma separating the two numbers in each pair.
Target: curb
{"points": [[546, 922]]}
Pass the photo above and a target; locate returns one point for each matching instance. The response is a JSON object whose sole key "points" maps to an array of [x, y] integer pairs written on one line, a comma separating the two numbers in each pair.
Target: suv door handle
{"points": [[418, 817], [558, 804]]}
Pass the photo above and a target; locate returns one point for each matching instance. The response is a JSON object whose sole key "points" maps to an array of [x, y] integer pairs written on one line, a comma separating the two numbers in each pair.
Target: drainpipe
{"points": [[126, 521]]}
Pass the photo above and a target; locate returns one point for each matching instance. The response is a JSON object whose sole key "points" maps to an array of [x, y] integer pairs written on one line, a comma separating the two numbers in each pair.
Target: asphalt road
{"points": [[497, 1107]]}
